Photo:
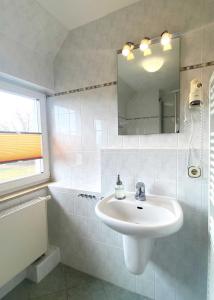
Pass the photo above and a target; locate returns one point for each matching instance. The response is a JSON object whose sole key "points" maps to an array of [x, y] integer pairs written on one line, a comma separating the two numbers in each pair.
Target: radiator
{"points": [[211, 195], [23, 237]]}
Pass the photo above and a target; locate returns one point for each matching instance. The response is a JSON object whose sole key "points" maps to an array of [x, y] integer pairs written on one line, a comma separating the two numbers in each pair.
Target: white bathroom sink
{"points": [[158, 216], [140, 222]]}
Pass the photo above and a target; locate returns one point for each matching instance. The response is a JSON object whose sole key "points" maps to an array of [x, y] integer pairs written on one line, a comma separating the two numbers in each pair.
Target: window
{"points": [[23, 138]]}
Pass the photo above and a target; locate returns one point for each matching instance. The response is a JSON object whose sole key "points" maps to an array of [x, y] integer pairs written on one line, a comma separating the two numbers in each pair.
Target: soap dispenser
{"points": [[119, 189]]}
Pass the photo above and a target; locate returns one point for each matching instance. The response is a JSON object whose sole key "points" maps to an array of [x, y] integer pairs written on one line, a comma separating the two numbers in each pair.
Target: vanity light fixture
{"points": [[166, 38], [145, 46], [127, 50], [166, 42]]}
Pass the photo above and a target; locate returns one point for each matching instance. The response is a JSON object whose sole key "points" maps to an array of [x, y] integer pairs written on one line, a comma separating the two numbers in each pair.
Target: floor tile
{"points": [[83, 286], [75, 279], [116, 293], [56, 296], [21, 292], [86, 294], [65, 283], [53, 283]]}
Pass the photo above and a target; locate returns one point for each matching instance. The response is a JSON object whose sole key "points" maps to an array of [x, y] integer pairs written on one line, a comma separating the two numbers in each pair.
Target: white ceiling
{"points": [[26, 22], [75, 13]]}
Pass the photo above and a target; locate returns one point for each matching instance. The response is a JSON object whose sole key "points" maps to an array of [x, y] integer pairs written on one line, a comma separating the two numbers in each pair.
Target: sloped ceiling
{"points": [[28, 23], [75, 13]]}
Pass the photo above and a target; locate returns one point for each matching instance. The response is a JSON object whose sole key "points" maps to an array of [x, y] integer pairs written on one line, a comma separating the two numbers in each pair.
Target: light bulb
{"points": [[130, 56], [127, 48], [144, 46], [167, 47], [147, 52], [166, 40]]}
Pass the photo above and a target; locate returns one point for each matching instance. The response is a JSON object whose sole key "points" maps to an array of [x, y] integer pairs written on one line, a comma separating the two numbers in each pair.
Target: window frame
{"points": [[29, 181]]}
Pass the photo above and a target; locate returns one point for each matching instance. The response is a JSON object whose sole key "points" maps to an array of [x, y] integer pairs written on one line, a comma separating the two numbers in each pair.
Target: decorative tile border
{"points": [[197, 66], [87, 88], [97, 86]]}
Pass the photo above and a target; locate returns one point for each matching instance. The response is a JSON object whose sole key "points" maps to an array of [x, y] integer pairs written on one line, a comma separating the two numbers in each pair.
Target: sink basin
{"points": [[140, 222], [158, 216]]}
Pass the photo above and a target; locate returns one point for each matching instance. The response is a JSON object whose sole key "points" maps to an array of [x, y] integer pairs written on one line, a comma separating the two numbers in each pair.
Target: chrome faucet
{"points": [[140, 191]]}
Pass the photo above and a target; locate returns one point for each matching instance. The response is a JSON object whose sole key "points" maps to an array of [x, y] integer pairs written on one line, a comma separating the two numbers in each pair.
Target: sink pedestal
{"points": [[137, 252]]}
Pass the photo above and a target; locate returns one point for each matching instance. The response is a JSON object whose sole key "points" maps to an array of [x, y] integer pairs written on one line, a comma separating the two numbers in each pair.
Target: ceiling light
{"points": [[166, 38], [153, 64], [144, 46], [127, 48]]}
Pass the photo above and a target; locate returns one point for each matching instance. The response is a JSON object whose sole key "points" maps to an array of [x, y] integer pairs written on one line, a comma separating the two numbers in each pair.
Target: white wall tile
{"points": [[145, 283], [191, 53], [158, 160]]}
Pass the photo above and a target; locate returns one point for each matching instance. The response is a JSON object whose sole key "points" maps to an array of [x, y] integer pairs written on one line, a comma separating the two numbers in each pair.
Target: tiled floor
{"points": [[65, 283]]}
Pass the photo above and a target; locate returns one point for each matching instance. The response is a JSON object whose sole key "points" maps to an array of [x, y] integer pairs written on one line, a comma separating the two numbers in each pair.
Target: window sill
{"points": [[24, 192]]}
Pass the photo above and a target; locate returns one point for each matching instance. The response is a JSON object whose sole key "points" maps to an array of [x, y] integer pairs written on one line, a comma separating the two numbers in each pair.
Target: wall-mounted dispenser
{"points": [[195, 96]]}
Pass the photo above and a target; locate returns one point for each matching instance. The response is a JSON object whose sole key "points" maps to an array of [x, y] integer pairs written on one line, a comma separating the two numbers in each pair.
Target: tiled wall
{"points": [[179, 262], [178, 266], [83, 123]]}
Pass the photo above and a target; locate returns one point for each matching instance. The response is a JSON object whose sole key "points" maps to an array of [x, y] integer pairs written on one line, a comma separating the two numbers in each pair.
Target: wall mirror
{"points": [[148, 91]]}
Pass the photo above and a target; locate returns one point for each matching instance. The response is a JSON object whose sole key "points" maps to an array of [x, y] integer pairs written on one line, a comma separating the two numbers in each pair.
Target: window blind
{"points": [[20, 146]]}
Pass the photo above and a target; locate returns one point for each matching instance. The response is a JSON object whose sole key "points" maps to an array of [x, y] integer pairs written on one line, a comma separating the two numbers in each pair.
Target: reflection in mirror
{"points": [[148, 91]]}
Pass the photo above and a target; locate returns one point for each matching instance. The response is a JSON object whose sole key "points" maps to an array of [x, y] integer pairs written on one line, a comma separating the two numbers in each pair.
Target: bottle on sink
{"points": [[119, 189]]}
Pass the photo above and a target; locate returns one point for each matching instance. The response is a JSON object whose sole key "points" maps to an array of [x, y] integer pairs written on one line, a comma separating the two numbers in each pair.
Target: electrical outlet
{"points": [[194, 172]]}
